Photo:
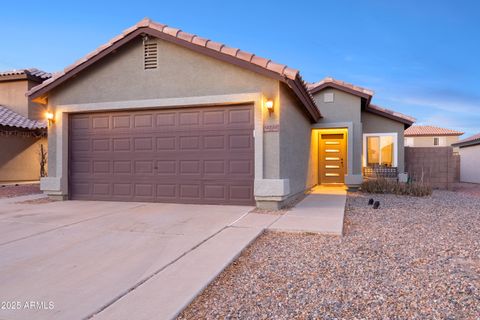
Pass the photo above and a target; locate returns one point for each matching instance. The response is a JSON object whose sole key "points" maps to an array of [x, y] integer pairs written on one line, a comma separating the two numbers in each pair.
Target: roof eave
{"points": [[406, 122], [298, 88], [465, 144], [337, 86], [39, 94]]}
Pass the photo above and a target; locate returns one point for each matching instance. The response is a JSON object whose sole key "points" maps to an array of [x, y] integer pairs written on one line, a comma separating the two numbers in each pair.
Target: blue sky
{"points": [[421, 58]]}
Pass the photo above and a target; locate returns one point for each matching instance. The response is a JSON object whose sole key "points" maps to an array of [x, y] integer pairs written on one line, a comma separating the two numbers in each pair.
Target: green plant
{"points": [[382, 185]]}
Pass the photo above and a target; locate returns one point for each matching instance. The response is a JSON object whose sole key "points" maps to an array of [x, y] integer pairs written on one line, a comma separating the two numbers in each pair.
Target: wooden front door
{"points": [[332, 158]]}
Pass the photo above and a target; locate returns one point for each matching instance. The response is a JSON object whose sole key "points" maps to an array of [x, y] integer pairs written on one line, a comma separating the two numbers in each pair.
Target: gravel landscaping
{"points": [[8, 191], [414, 258]]}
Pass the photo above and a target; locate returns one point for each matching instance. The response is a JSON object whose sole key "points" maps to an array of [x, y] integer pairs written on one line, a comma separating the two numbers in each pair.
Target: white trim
{"points": [[383, 134]]}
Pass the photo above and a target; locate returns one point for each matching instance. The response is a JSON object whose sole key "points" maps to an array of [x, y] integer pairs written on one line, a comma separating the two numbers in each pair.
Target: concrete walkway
{"points": [[114, 260], [172, 289], [322, 211]]}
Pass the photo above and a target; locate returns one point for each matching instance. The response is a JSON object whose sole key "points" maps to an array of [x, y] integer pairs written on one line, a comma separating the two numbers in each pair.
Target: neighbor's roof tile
{"points": [[430, 131], [10, 118], [32, 72]]}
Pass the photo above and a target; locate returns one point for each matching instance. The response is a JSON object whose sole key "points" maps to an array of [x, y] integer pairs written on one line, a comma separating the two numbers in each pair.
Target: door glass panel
{"points": [[380, 150], [373, 150], [332, 167], [332, 158], [387, 150], [332, 150]]}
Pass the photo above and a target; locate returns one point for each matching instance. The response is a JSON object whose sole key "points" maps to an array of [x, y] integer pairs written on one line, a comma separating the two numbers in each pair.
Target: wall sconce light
{"points": [[50, 117], [269, 105]]}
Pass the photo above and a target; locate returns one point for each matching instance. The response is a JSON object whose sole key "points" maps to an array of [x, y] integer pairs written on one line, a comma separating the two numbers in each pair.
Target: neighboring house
{"points": [[22, 126], [469, 157], [158, 114], [430, 136]]}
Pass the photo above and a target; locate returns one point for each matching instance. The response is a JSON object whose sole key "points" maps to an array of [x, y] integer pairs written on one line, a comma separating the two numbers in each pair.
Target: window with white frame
{"points": [[380, 149]]}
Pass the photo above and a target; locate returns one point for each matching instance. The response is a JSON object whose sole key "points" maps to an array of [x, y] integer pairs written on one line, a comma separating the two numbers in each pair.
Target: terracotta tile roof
{"points": [[470, 141], [341, 85], [10, 118], [430, 131], [242, 58], [394, 115], [34, 73]]}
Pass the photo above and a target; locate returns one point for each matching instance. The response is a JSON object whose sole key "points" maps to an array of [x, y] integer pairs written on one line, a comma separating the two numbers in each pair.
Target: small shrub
{"points": [[394, 187]]}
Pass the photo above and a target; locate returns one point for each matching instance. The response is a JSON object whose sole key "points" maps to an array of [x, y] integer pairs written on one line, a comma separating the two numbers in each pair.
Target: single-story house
{"points": [[469, 149], [431, 136], [158, 114], [23, 128]]}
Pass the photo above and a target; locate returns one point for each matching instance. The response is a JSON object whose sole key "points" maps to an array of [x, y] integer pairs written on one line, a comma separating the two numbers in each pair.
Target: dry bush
{"points": [[394, 187]]}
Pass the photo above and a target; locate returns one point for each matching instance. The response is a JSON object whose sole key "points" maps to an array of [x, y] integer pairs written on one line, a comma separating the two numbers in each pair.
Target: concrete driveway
{"points": [[73, 259]]}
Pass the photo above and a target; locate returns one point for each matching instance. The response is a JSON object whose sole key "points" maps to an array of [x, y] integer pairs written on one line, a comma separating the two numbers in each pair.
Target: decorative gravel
{"points": [[8, 191], [414, 258]]}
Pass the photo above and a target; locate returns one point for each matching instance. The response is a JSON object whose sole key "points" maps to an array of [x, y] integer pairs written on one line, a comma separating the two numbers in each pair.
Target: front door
{"points": [[332, 157]]}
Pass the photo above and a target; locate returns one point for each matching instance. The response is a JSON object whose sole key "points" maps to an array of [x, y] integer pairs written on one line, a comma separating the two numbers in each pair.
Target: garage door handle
{"points": [[156, 168]]}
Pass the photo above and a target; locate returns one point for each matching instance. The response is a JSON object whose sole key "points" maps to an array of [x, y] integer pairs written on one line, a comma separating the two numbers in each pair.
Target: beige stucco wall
{"points": [[444, 141], [182, 75], [12, 95], [373, 123], [469, 170], [20, 159], [346, 108]]}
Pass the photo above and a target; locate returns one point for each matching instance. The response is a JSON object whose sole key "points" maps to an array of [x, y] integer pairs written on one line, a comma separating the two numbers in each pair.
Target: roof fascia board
{"points": [[341, 88], [313, 111], [389, 116]]}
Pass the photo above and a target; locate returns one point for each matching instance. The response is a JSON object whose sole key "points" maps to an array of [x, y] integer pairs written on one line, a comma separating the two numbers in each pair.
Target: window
{"points": [[436, 141], [380, 149]]}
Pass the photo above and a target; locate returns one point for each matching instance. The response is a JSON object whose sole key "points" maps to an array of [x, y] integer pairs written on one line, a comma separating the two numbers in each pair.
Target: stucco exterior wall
{"points": [[12, 95], [469, 171], [423, 142], [373, 123], [119, 81], [181, 73], [36, 111], [20, 159], [297, 152], [345, 108]]}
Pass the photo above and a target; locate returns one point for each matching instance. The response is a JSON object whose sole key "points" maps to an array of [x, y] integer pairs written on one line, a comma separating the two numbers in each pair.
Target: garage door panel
{"points": [[199, 155]]}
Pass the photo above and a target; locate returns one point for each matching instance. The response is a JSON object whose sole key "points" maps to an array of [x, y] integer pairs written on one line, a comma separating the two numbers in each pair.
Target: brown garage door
{"points": [[185, 155]]}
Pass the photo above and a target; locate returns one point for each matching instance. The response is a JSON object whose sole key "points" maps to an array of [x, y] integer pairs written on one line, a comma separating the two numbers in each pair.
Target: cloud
{"points": [[450, 105]]}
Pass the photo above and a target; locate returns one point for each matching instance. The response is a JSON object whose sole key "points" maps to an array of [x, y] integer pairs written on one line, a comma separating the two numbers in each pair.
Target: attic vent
{"points": [[150, 55]]}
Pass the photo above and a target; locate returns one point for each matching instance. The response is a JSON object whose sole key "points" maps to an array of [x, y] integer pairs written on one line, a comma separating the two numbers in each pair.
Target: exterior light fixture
{"points": [[50, 117], [269, 105]]}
